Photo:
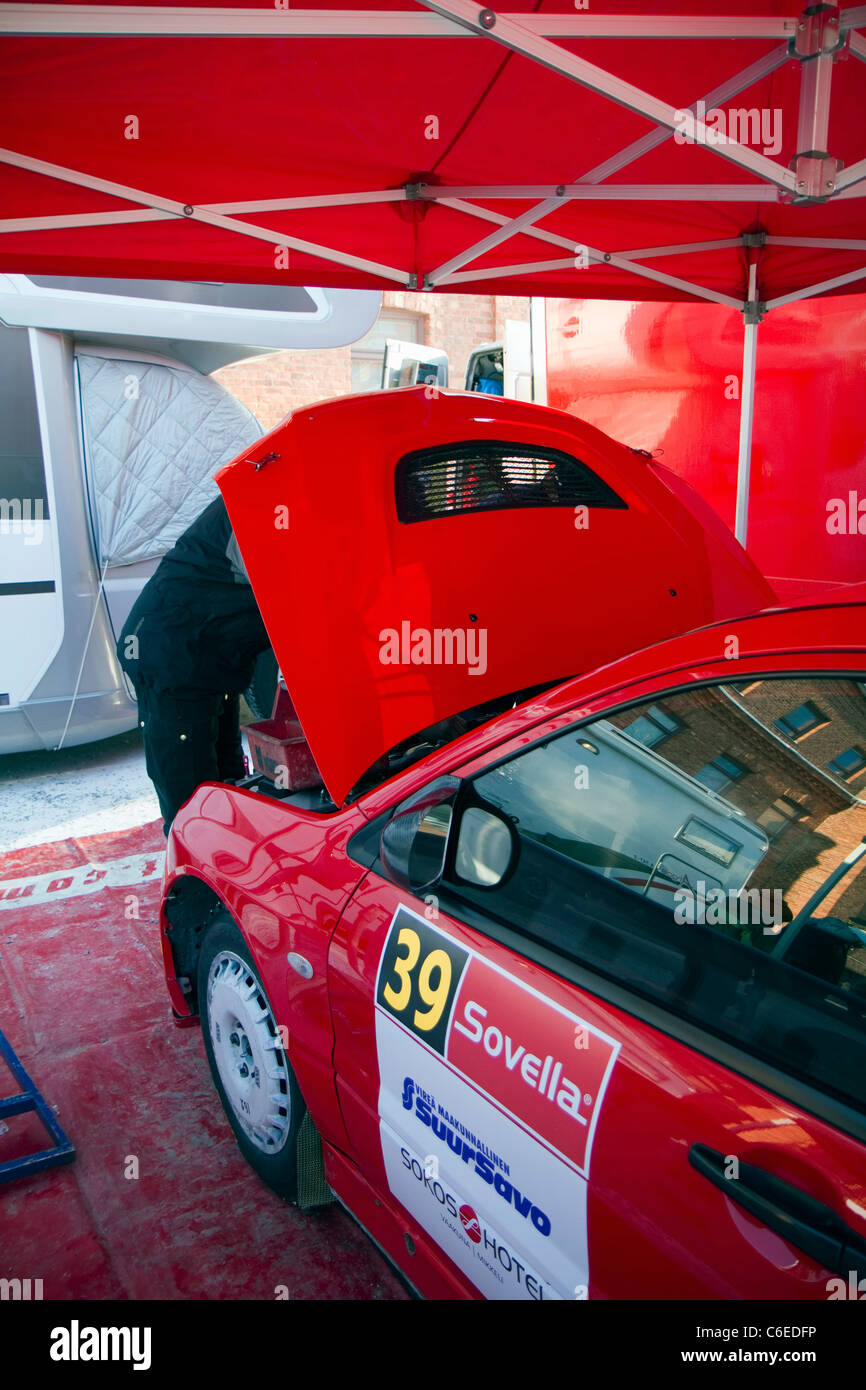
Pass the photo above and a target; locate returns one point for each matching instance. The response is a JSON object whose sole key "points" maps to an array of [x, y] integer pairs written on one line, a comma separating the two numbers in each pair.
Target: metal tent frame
{"points": [[817, 38]]}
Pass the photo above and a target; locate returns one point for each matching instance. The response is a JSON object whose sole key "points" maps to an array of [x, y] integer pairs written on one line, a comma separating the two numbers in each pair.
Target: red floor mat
{"points": [[159, 1203]]}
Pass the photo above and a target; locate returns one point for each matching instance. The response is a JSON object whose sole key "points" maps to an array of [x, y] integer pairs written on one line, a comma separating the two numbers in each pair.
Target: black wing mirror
{"points": [[414, 843]]}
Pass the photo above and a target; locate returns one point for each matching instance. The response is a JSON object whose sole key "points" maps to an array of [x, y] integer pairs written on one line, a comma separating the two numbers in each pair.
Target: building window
{"points": [[653, 726], [368, 354], [780, 815], [721, 772], [799, 722], [846, 765]]}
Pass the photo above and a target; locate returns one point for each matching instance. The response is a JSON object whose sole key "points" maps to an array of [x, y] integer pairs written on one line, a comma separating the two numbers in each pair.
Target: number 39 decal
{"points": [[438, 962], [418, 977]]}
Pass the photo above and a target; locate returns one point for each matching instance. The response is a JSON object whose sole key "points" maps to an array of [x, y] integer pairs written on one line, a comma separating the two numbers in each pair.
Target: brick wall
{"points": [[271, 386], [801, 856], [844, 718]]}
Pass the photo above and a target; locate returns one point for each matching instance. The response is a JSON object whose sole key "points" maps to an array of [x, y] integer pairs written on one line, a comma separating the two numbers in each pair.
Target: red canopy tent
{"points": [[550, 150]]}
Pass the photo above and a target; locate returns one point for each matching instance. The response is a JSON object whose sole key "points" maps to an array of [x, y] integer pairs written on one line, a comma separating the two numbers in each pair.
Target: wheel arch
{"points": [[190, 903]]}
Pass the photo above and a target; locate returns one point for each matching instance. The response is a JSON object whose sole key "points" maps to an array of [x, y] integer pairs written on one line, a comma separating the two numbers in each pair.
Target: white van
{"points": [[513, 366], [112, 431]]}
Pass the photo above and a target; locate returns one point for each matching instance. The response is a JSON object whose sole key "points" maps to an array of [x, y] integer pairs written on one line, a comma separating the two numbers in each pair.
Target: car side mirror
{"points": [[414, 843], [485, 848]]}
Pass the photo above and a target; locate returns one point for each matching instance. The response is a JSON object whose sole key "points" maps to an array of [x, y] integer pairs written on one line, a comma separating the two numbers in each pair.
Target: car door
{"points": [[479, 1168], [623, 1054]]}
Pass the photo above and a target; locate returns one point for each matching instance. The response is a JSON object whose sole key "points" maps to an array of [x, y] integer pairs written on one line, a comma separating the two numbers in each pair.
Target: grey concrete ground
{"points": [[87, 790]]}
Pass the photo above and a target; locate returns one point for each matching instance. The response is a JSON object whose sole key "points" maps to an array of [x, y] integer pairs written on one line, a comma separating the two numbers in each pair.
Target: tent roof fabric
{"points": [[542, 150]]}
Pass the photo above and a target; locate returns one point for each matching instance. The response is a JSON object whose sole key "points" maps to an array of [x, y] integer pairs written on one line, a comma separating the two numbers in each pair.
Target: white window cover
{"points": [[153, 437]]}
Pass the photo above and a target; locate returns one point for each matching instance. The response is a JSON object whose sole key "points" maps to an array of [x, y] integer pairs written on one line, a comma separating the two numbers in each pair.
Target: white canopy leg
{"points": [[747, 410]]}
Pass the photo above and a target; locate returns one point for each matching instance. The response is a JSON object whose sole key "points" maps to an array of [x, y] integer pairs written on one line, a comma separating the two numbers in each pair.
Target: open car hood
{"points": [[416, 553]]}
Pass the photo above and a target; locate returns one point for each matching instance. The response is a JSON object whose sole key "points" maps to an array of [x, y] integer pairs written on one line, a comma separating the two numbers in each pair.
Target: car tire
{"points": [[249, 1064]]}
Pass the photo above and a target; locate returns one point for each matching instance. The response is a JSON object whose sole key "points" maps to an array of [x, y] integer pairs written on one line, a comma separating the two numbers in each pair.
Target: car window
{"points": [[707, 851]]}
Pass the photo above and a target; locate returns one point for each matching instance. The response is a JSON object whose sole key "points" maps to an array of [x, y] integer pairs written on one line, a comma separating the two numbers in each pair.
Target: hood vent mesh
{"points": [[492, 476]]}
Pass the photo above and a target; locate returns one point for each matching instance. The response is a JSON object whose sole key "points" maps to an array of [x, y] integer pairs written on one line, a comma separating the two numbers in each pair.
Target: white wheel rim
{"points": [[248, 1052]]}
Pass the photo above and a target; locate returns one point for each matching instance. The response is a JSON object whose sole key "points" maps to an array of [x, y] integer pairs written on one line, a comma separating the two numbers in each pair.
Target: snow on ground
{"points": [[87, 790]]}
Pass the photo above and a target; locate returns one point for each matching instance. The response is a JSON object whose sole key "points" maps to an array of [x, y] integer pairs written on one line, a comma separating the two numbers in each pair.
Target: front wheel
{"points": [[248, 1059]]}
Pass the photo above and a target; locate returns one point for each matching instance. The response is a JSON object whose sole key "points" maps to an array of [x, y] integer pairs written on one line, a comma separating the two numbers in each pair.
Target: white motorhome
{"points": [[653, 828], [112, 431]]}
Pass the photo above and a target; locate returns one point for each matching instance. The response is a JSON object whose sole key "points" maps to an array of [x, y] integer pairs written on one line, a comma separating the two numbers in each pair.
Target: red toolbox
{"points": [[279, 749]]}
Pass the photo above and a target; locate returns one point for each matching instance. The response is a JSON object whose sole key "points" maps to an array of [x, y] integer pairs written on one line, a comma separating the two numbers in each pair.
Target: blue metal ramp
{"points": [[29, 1098]]}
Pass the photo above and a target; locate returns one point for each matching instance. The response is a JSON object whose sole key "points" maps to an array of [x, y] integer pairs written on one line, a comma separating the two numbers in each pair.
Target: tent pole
{"points": [[747, 410]]}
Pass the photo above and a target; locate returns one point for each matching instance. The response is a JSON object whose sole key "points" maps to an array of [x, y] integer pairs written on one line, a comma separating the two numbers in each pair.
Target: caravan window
{"points": [[708, 841], [743, 911]]}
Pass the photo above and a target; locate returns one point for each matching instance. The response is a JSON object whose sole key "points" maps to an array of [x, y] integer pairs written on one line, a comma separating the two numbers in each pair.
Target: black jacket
{"points": [[196, 623]]}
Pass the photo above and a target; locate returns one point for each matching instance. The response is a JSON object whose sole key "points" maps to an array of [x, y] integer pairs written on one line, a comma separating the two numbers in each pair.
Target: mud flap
{"points": [[313, 1190]]}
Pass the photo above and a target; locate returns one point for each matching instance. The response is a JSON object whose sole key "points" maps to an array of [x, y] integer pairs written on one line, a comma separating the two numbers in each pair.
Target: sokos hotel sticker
{"points": [[488, 1102]]}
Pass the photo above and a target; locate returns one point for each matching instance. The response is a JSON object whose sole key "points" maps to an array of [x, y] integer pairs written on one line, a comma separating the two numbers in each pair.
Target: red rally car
{"points": [[553, 968]]}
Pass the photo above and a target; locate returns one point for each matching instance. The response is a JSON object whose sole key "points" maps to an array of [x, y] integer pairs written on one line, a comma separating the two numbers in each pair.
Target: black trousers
{"points": [[190, 737]]}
